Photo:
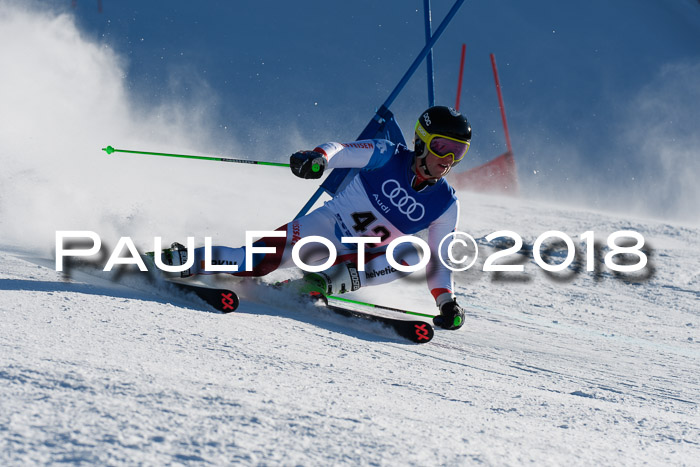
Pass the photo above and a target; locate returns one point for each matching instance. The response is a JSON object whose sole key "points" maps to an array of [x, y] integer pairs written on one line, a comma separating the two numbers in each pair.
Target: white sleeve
{"points": [[371, 153], [438, 275]]}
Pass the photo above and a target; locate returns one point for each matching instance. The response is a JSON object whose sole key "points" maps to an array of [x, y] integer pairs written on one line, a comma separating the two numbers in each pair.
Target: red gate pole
{"points": [[461, 75], [500, 102]]}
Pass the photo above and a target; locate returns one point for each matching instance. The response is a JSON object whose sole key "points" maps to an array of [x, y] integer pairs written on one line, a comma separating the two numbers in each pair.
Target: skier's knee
{"points": [[378, 271]]}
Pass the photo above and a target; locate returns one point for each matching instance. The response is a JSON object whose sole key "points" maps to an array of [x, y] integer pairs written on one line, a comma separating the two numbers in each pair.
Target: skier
{"points": [[398, 192]]}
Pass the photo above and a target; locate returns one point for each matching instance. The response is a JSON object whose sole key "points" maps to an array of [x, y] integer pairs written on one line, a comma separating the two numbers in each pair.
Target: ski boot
{"points": [[176, 255], [338, 279]]}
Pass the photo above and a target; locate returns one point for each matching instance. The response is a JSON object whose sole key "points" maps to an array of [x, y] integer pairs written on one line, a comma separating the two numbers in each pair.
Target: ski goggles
{"points": [[443, 146]]}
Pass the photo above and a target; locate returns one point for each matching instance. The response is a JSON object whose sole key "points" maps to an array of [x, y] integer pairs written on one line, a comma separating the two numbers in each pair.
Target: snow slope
{"points": [[579, 371]]}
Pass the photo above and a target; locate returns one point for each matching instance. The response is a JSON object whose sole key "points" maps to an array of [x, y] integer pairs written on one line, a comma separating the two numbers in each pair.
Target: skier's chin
{"points": [[439, 171], [433, 177], [438, 176]]}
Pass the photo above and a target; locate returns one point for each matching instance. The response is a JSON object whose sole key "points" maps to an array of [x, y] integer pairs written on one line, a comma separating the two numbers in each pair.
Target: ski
{"points": [[227, 301], [223, 300], [419, 332]]}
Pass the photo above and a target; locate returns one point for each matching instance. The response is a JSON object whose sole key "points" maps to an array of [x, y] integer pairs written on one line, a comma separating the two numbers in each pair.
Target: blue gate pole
{"points": [[384, 108], [429, 59], [416, 63]]}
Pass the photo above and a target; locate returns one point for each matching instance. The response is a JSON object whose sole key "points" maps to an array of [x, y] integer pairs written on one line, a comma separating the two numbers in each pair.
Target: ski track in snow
{"points": [[579, 371]]}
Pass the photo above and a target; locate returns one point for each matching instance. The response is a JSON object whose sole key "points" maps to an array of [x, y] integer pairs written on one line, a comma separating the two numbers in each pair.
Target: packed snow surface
{"points": [[584, 368]]}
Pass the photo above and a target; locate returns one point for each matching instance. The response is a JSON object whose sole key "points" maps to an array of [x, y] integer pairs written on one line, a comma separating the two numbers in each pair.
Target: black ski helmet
{"points": [[444, 121]]}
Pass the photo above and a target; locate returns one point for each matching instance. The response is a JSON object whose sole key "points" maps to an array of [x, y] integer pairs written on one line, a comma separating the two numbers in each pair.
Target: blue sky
{"points": [[585, 83]]}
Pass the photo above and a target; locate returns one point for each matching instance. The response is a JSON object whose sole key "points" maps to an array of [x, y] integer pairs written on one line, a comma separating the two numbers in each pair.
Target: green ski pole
{"points": [[110, 150], [378, 307]]}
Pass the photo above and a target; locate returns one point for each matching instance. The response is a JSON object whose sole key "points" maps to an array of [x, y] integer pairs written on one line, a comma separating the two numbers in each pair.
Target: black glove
{"points": [[451, 316], [307, 164]]}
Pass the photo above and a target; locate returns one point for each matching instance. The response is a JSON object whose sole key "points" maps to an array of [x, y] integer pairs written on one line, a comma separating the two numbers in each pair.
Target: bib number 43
{"points": [[363, 221]]}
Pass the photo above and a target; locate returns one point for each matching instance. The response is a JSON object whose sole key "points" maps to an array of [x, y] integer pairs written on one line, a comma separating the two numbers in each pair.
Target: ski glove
{"points": [[307, 164], [451, 316]]}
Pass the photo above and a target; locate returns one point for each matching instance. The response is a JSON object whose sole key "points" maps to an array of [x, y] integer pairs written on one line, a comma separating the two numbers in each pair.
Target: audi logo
{"points": [[400, 198]]}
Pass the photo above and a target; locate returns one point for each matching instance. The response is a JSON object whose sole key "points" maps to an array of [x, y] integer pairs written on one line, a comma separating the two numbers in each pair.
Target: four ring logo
{"points": [[401, 199]]}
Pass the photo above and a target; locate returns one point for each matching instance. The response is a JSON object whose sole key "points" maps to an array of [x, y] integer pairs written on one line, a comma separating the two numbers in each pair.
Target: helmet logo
{"points": [[400, 198], [454, 112], [421, 131], [426, 117]]}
